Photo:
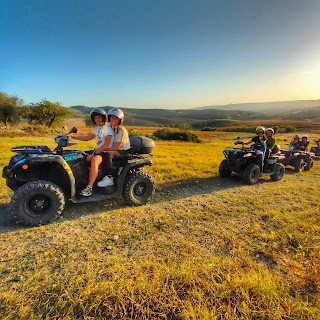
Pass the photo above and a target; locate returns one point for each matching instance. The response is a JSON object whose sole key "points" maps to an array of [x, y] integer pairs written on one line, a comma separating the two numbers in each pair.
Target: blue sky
{"points": [[160, 54]]}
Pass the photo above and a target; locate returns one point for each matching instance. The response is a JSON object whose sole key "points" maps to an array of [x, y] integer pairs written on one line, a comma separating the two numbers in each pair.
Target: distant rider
{"points": [[271, 141], [294, 144], [260, 145], [317, 141], [304, 143]]}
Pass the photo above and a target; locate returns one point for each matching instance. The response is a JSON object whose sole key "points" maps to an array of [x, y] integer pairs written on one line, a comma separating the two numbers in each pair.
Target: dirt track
{"points": [[167, 193]]}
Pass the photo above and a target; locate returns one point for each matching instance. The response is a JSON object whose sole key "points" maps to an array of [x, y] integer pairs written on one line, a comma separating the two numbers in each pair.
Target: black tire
{"points": [[278, 175], [224, 169], [298, 165], [138, 188], [37, 202], [251, 174], [309, 165]]}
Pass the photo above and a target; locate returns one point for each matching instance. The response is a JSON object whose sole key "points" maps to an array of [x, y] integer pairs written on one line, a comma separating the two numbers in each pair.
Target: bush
{"points": [[290, 129], [276, 129], [36, 129], [167, 134], [208, 129], [240, 129]]}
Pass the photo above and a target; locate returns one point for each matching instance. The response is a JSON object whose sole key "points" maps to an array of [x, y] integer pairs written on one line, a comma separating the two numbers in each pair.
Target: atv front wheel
{"points": [[251, 174], [138, 188], [37, 202], [298, 165], [309, 165], [224, 169], [278, 175]]}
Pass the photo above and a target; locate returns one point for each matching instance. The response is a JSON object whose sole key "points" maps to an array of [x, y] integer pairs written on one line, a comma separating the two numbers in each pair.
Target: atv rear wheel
{"points": [[251, 174], [224, 169], [138, 188], [278, 175], [37, 202], [298, 165], [309, 165]]}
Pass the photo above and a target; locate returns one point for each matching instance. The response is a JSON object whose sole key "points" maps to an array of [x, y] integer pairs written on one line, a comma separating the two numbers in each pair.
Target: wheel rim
{"points": [[38, 204], [280, 171], [141, 189], [254, 174]]}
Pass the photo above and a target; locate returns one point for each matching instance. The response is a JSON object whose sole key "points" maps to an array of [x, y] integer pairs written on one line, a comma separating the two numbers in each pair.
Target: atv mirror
{"points": [[73, 130], [238, 138]]}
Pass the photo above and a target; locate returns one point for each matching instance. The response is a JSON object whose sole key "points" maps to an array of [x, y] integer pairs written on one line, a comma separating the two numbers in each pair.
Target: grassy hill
{"points": [[218, 116]]}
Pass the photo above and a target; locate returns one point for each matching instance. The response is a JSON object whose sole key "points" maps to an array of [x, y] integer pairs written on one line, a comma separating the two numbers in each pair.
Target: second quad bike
{"points": [[244, 161], [43, 179], [297, 159]]}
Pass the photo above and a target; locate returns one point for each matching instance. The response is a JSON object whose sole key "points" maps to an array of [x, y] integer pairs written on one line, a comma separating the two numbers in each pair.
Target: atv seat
{"points": [[120, 160], [286, 152]]}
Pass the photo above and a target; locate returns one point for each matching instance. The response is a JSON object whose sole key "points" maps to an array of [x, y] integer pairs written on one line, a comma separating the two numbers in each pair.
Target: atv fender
{"points": [[9, 172]]}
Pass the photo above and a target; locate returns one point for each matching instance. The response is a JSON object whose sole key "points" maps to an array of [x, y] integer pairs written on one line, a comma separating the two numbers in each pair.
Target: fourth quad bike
{"points": [[244, 161], [43, 179]]}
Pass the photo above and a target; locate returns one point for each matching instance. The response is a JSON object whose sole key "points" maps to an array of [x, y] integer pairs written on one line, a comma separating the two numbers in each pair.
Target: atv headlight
{"points": [[226, 153], [248, 155]]}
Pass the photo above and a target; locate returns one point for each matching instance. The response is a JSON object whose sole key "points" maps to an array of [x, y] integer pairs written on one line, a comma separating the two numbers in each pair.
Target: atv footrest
{"points": [[94, 197]]}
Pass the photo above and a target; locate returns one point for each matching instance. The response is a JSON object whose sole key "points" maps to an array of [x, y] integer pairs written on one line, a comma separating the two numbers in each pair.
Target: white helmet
{"points": [[304, 136], [296, 136], [270, 129], [116, 112]]}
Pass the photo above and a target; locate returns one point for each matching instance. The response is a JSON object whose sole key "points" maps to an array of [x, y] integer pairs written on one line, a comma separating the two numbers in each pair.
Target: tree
{"points": [[47, 113], [9, 109]]}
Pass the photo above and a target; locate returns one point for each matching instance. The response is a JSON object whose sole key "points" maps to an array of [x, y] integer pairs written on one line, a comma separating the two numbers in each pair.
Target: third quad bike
{"points": [[316, 150], [244, 161], [43, 179], [297, 159]]}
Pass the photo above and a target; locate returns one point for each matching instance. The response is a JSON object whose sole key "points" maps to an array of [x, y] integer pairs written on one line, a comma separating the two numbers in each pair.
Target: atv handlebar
{"points": [[64, 140]]}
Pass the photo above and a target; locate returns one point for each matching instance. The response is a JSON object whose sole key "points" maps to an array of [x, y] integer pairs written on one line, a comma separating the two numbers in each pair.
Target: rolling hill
{"points": [[217, 115]]}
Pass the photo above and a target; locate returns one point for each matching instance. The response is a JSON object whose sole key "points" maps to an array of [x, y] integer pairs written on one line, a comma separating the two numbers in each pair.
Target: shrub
{"points": [[35, 129], [290, 129], [208, 129], [276, 129], [167, 134], [240, 129]]}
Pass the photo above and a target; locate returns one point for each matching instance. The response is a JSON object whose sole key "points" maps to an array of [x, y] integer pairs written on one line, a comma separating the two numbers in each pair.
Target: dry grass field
{"points": [[204, 248]]}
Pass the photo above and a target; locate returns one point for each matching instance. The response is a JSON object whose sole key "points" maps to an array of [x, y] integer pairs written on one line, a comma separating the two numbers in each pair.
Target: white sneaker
{"points": [[105, 182]]}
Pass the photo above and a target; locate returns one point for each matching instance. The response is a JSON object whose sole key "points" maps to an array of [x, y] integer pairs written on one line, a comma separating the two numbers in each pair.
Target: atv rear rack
{"points": [[31, 149]]}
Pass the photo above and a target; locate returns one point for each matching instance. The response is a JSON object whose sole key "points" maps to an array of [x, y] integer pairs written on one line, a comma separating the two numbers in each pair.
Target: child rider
{"points": [[260, 141]]}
